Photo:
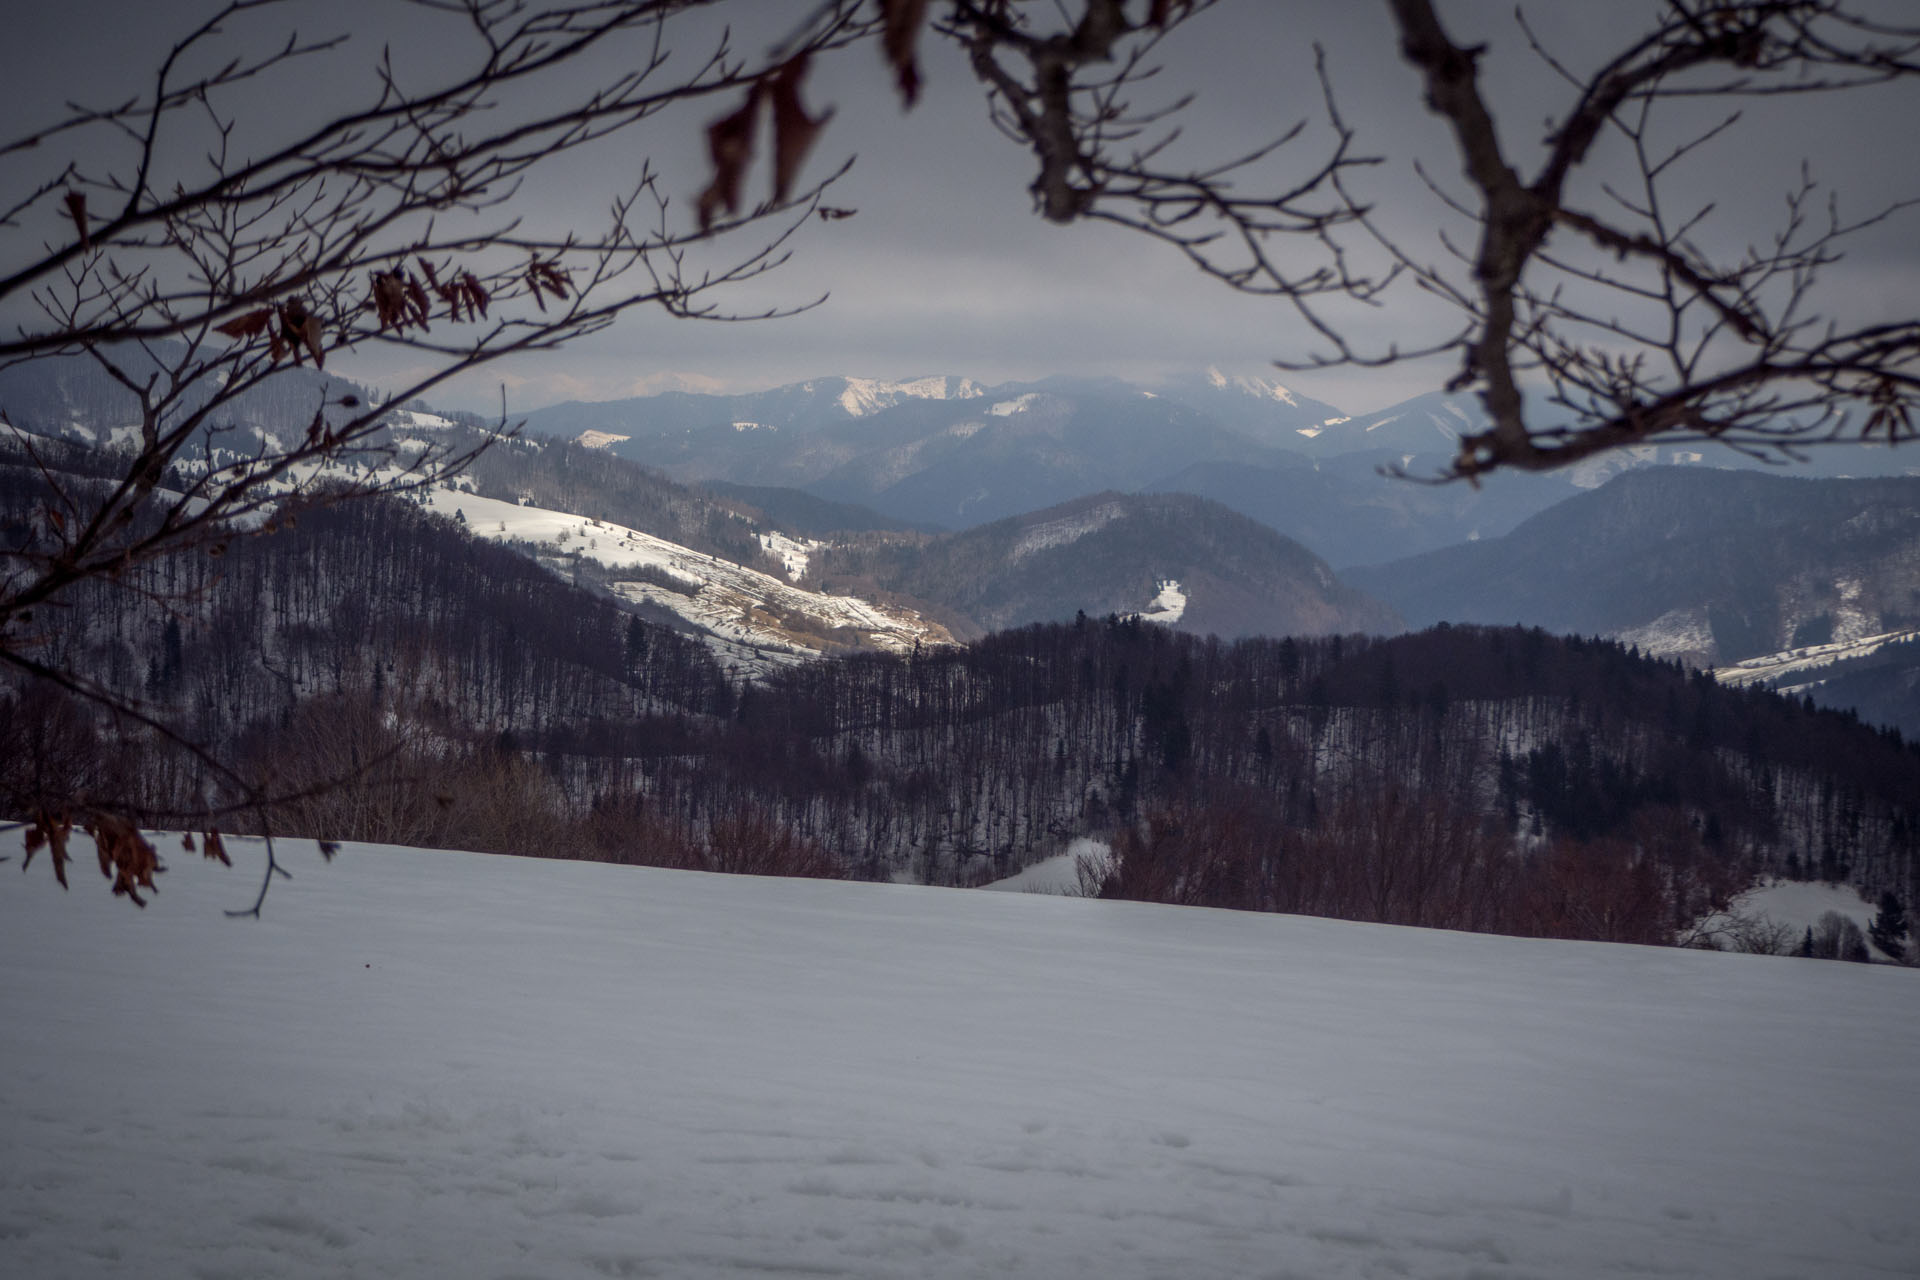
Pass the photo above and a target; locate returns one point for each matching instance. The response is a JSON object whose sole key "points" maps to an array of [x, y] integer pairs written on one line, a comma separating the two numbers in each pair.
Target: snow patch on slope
{"points": [[738, 605], [1797, 904], [1066, 529], [1677, 633], [601, 439], [864, 396], [793, 553], [421, 420], [1019, 404], [1059, 874], [1169, 603], [1806, 661], [1258, 388]]}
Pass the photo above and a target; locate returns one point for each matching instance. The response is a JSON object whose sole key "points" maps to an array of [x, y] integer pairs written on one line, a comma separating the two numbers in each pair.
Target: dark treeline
{"points": [[454, 693]]}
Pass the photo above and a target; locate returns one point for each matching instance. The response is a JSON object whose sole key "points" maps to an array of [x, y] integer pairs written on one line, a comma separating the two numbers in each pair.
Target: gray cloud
{"points": [[946, 269]]}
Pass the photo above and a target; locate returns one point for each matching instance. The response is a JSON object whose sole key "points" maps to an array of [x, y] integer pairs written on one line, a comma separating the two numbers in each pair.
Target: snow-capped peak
{"points": [[863, 396], [1258, 388]]}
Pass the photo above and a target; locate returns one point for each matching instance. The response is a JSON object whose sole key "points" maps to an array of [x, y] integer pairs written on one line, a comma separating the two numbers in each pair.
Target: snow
{"points": [[1678, 633], [421, 420], [601, 439], [1805, 660], [1800, 904], [1317, 429], [1169, 603], [1019, 404], [426, 1064], [863, 396], [737, 605], [794, 554], [1591, 473], [1066, 529], [1059, 874], [1258, 388]]}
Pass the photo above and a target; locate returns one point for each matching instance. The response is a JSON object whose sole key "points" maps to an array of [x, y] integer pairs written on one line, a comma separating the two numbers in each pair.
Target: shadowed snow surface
{"points": [[441, 1064]]}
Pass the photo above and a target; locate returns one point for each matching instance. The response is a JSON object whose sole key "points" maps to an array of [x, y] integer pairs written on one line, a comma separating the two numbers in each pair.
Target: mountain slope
{"points": [[743, 607], [1712, 566], [1344, 509], [1112, 553]]}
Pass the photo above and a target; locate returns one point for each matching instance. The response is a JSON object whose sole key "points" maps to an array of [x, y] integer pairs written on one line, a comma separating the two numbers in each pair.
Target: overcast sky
{"points": [[945, 269]]}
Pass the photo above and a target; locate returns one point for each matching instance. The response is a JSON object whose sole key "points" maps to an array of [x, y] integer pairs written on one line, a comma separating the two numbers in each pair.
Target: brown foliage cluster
{"points": [[730, 139], [127, 857], [1385, 855]]}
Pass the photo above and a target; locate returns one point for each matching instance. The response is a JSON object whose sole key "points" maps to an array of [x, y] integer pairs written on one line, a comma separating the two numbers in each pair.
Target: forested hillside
{"points": [[1110, 553], [402, 681]]}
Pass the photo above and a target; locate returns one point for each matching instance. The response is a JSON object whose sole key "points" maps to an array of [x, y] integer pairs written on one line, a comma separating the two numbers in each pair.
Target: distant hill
{"points": [[1711, 566], [1344, 509], [797, 511], [1175, 558]]}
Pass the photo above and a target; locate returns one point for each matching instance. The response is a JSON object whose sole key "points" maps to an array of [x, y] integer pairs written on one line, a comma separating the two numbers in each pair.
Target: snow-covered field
{"points": [[449, 1065]]}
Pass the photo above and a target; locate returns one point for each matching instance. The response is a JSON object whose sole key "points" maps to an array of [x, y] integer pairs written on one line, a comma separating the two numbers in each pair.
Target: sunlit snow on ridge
{"points": [[863, 396], [1806, 660], [738, 605], [1259, 388]]}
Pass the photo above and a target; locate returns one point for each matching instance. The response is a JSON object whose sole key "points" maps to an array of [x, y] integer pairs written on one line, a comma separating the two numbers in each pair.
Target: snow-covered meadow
{"points": [[441, 1064]]}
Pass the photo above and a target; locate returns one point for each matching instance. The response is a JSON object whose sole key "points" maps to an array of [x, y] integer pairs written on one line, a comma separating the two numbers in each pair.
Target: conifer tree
{"points": [[1889, 928]]}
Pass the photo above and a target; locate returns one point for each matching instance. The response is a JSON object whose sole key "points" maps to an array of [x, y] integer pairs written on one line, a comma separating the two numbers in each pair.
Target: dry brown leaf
{"points": [[1161, 11], [475, 295], [291, 332], [51, 832], [417, 297], [899, 40], [250, 325], [77, 210], [216, 849], [730, 147], [794, 131], [310, 334], [388, 294], [127, 857]]}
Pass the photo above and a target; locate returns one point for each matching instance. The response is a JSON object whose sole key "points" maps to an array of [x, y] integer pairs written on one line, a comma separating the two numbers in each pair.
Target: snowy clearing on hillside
{"points": [[1067, 529], [1677, 633], [417, 419], [601, 439], [427, 1064], [1799, 904], [794, 554], [1019, 404], [738, 605], [1059, 874], [1808, 658], [1168, 605]]}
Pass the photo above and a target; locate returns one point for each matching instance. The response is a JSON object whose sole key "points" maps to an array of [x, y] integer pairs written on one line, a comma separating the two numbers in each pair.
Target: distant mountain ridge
{"points": [[1116, 553], [1706, 565], [956, 453]]}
